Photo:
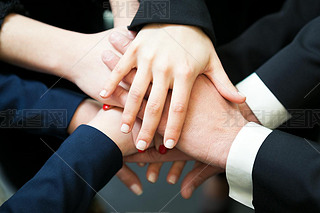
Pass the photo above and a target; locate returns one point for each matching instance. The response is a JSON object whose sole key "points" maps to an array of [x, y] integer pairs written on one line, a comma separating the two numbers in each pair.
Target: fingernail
{"points": [[136, 189], [162, 149], [172, 179], [131, 34], [141, 145], [141, 164], [103, 93], [125, 128], [105, 107], [114, 37], [241, 94], [191, 189], [152, 178], [107, 56], [169, 144]]}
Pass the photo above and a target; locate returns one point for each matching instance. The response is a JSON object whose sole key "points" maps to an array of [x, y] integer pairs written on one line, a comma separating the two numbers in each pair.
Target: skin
{"points": [[26, 42], [21, 37], [74, 56], [164, 55], [123, 11], [206, 136]]}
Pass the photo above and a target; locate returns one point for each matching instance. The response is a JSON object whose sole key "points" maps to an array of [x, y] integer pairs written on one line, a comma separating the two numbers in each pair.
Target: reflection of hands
{"points": [[193, 179], [171, 56]]}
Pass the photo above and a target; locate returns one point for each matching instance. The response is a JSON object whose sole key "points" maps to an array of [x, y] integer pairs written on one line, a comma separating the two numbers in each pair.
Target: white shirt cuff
{"points": [[265, 106], [241, 160]]}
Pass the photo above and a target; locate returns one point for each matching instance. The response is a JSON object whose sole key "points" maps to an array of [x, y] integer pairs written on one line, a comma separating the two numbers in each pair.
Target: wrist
{"points": [[75, 47], [85, 112], [231, 136], [109, 123], [218, 154]]}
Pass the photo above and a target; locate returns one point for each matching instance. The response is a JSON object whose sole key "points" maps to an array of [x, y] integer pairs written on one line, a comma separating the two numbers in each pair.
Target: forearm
{"points": [[83, 164], [31, 106], [37, 46]]}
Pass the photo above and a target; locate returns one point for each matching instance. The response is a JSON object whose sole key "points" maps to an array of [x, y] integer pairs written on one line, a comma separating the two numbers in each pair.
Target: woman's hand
{"points": [[171, 56], [109, 122], [74, 56], [87, 69]]}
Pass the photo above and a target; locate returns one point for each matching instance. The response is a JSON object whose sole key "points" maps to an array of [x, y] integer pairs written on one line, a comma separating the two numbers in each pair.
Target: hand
{"points": [[108, 123], [168, 56], [211, 125], [71, 55], [87, 69], [85, 112], [208, 112], [193, 179]]}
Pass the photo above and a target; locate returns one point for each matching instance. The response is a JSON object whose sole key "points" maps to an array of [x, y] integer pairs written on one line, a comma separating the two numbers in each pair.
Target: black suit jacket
{"points": [[286, 173]]}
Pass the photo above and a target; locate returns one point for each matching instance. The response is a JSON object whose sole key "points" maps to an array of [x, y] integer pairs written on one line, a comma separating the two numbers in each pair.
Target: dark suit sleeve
{"points": [[67, 182], [9, 6], [266, 37], [286, 175], [185, 12], [293, 74], [32, 107]]}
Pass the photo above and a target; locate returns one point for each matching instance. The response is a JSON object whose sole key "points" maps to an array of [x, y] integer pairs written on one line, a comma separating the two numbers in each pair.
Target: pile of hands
{"points": [[170, 101]]}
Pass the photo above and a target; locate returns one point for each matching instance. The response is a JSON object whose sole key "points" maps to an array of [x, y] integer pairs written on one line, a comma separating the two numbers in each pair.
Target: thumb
{"points": [[221, 81]]}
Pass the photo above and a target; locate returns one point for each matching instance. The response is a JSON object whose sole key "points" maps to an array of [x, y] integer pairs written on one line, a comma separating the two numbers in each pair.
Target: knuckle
{"points": [[186, 73], [164, 70], [154, 108], [178, 108], [147, 57], [136, 95], [189, 73]]}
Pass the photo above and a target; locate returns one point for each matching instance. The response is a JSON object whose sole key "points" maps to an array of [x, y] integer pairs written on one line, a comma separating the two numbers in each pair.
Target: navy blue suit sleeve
{"points": [[84, 163], [286, 175], [32, 107], [185, 12]]}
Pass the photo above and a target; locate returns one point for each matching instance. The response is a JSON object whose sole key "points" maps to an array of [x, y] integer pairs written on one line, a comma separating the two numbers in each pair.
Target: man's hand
{"points": [[211, 125], [164, 54]]}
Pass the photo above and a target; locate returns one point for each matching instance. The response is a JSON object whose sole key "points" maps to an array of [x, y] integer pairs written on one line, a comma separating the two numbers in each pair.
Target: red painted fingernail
{"points": [[162, 149], [106, 107], [141, 151]]}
